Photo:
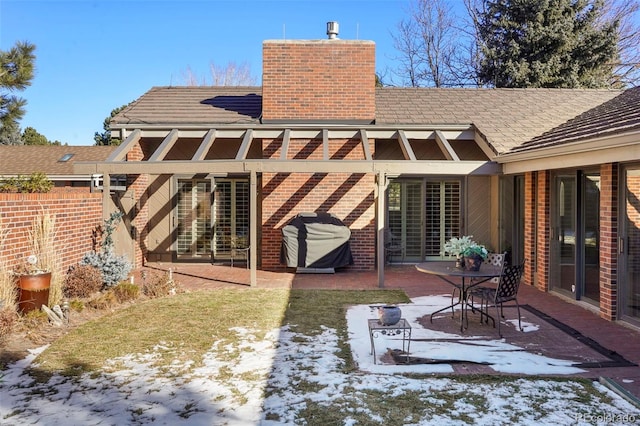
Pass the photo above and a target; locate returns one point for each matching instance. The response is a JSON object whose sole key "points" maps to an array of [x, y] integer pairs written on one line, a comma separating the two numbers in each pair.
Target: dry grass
{"points": [[8, 293], [42, 239], [189, 323], [192, 321]]}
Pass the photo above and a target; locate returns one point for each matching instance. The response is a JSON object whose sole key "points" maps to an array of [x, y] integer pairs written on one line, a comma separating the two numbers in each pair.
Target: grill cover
{"points": [[316, 240]]}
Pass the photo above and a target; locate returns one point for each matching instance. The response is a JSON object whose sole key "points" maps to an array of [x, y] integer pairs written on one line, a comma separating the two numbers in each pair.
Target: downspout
{"points": [[253, 231], [381, 187]]}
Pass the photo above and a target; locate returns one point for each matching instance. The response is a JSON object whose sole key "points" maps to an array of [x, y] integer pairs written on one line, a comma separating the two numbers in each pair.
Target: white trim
{"points": [[606, 149]]}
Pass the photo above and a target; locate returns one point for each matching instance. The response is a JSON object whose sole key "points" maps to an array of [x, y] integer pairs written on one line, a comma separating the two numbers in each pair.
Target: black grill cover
{"points": [[316, 240]]}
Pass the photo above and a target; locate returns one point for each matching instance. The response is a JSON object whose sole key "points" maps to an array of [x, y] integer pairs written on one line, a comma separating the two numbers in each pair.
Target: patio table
{"points": [[447, 271]]}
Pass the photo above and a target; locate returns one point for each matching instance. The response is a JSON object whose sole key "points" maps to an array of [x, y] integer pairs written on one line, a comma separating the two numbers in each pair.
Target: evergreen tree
{"points": [[104, 138], [546, 43], [16, 73], [30, 136]]}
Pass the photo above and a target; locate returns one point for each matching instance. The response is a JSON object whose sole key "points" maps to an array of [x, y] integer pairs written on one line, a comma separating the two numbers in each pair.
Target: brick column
{"points": [[543, 243], [529, 227], [608, 241], [139, 214]]}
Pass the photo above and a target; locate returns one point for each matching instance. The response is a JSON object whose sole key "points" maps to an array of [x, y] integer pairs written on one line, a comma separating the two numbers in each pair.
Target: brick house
{"points": [[546, 174], [56, 161]]}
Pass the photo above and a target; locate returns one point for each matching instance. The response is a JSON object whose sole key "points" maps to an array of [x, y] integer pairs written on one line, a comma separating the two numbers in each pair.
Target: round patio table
{"points": [[464, 281]]}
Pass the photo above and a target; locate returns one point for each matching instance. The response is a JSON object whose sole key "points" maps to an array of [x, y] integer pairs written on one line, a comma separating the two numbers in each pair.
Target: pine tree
{"points": [[546, 43], [16, 73], [30, 136]]}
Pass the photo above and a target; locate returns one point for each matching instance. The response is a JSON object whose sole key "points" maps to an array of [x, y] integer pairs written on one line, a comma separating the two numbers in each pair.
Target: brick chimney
{"points": [[329, 80]]}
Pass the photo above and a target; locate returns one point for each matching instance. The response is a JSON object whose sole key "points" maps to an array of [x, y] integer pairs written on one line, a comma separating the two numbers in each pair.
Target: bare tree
{"points": [[436, 47], [229, 75], [424, 41], [627, 13]]}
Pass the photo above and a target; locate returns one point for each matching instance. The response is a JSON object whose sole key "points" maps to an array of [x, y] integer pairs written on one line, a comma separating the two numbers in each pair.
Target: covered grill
{"points": [[316, 240]]}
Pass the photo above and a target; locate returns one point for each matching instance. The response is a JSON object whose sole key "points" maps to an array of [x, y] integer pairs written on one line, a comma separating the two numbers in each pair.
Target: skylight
{"points": [[65, 158]]}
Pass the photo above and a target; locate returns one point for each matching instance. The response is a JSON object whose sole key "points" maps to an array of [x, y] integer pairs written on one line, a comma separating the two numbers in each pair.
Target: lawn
{"points": [[266, 357]]}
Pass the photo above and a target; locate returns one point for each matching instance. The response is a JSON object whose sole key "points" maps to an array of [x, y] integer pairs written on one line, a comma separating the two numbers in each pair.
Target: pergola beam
{"points": [[446, 147], [204, 147], [165, 146], [286, 138], [325, 144], [393, 167], [121, 152], [365, 145], [405, 146], [246, 144]]}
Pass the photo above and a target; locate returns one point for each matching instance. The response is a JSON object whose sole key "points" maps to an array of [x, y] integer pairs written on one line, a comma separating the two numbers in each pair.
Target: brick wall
{"points": [[349, 196], [318, 80], [608, 240], [77, 216]]}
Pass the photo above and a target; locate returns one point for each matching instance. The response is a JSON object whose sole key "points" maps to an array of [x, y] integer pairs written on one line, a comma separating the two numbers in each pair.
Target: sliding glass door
{"points": [[194, 219], [574, 266], [424, 214], [231, 216], [629, 244]]}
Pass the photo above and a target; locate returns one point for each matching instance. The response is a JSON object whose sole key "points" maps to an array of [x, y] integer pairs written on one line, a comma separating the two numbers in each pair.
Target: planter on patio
{"points": [[389, 315]]}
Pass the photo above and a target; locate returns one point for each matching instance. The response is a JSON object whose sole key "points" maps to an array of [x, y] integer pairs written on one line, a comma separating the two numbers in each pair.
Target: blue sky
{"points": [[94, 56]]}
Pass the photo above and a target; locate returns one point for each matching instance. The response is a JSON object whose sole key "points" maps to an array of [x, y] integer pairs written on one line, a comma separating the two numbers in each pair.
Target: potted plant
{"points": [[469, 253], [33, 284], [474, 255], [34, 272]]}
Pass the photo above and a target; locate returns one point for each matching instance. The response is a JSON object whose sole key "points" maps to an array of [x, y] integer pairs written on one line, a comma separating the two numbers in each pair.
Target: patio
{"points": [[565, 330]]}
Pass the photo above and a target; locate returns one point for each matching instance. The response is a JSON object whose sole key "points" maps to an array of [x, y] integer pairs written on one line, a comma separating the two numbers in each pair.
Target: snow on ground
{"points": [[227, 386]]}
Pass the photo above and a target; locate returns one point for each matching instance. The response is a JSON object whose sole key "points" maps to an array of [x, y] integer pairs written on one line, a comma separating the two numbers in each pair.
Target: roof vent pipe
{"points": [[332, 30]]}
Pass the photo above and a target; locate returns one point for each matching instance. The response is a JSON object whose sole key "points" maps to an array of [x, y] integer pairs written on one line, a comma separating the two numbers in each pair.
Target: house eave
{"points": [[605, 149]]}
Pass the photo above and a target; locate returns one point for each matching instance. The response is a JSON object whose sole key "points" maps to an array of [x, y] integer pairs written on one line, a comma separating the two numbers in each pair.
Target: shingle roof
{"points": [[620, 114], [27, 159], [506, 117], [194, 105]]}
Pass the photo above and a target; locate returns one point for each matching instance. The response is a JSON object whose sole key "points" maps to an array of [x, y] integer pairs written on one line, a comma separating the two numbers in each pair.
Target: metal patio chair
{"points": [[506, 291], [493, 259], [240, 249], [392, 246]]}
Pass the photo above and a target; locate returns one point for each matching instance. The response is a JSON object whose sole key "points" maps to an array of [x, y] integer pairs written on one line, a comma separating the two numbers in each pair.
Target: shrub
{"points": [[8, 319], [103, 301], [76, 305], [114, 268], [126, 291], [32, 324], [82, 281], [157, 284], [36, 182]]}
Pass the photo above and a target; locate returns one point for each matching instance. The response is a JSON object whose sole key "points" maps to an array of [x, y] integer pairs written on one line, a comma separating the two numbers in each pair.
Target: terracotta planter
{"points": [[33, 291]]}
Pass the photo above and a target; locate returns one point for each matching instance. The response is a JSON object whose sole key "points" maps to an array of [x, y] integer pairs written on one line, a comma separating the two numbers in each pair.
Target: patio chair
{"points": [[506, 291], [240, 249], [494, 259], [392, 246]]}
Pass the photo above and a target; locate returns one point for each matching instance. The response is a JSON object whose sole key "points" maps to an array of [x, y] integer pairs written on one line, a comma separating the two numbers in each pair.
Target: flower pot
{"points": [[33, 291], [472, 263], [389, 315]]}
